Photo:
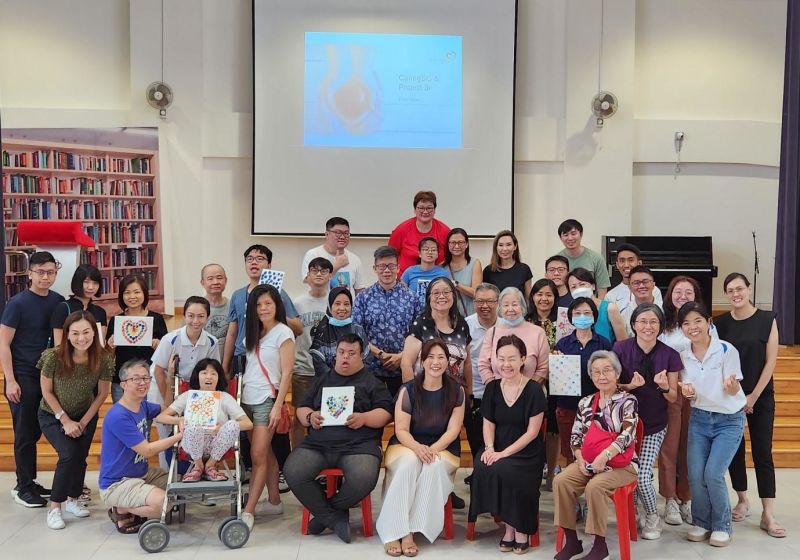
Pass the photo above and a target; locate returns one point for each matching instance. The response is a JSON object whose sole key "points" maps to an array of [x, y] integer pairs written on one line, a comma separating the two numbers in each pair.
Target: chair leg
{"points": [[621, 500], [470, 530], [632, 529], [304, 521], [559, 539], [330, 484], [448, 519], [366, 515], [534, 538]]}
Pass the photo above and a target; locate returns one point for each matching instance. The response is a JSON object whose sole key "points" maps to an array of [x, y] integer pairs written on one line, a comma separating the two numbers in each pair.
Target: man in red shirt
{"points": [[406, 236]]}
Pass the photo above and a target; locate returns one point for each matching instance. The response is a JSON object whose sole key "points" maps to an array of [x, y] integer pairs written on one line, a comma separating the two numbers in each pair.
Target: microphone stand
{"points": [[755, 267]]}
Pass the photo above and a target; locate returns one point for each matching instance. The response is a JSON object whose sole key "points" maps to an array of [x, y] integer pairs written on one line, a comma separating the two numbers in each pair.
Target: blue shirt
{"points": [[239, 307], [29, 314], [122, 431], [386, 317], [417, 279], [571, 346]]}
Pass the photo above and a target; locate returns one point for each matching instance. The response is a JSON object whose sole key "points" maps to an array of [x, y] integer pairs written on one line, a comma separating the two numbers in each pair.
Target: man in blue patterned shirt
{"points": [[385, 310]]}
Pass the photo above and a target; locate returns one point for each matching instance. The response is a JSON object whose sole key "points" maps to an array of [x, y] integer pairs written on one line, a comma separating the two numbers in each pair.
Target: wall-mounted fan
{"points": [[159, 95], [604, 104]]}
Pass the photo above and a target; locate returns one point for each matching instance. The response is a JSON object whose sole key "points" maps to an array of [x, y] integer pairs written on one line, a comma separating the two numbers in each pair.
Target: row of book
{"points": [[39, 159], [57, 159], [79, 162], [121, 210], [39, 209], [10, 236], [122, 233], [14, 285], [132, 165], [37, 184], [111, 284], [96, 257], [139, 256]]}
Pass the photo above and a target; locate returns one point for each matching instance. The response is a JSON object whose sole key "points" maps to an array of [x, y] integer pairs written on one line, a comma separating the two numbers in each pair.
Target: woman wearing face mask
{"points": [[650, 371], [337, 323], [609, 322], [511, 310], [583, 341]]}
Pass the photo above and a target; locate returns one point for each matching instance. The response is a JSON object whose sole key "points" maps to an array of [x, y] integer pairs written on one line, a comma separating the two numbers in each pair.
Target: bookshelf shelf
{"points": [[113, 192]]}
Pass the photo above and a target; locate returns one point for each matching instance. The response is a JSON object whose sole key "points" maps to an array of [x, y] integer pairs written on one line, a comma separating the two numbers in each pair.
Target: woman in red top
{"points": [[406, 236]]}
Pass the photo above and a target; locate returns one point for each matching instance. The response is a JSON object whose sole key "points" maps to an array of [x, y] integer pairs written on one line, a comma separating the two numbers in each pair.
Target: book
{"points": [[202, 409], [337, 405], [565, 375]]}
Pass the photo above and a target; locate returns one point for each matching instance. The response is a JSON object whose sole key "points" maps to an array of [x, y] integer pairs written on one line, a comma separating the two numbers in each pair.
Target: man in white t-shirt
{"points": [[628, 256], [346, 265], [641, 283]]}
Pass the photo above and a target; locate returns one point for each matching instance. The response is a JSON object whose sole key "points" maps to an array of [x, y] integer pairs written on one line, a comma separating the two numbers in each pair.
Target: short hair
{"points": [[734, 276], [568, 225], [488, 286], [200, 300], [511, 290], [385, 251], [560, 258], [533, 315], [203, 270], [86, 272], [581, 300], [125, 369], [126, 282], [512, 340], [690, 306], [641, 269], [631, 248], [644, 308], [336, 221], [605, 355], [425, 196], [222, 379], [258, 248], [41, 257], [351, 338], [581, 274], [321, 262], [425, 240]]}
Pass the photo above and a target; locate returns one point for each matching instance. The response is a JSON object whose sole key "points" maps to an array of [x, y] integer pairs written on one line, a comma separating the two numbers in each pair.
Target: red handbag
{"points": [[597, 440]]}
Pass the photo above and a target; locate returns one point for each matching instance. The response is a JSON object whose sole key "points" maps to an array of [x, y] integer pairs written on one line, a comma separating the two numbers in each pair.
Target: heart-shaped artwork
{"points": [[337, 405], [134, 330]]}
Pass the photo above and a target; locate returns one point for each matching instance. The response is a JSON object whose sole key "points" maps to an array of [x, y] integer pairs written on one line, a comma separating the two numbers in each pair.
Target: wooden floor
{"points": [[786, 445]]}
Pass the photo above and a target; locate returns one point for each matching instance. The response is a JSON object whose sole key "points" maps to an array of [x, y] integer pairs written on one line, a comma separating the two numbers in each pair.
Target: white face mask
{"points": [[581, 292]]}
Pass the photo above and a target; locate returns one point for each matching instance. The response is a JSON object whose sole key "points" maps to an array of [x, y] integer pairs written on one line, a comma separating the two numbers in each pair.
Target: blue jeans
{"points": [[713, 440]]}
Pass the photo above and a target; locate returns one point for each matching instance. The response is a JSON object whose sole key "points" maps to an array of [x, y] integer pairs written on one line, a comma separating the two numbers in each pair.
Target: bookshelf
{"points": [[113, 191]]}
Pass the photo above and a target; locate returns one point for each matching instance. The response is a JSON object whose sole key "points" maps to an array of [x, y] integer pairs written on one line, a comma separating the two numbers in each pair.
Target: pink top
{"points": [[535, 339], [406, 237]]}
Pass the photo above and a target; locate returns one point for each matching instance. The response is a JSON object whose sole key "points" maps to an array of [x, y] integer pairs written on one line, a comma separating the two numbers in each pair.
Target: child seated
{"points": [[199, 442]]}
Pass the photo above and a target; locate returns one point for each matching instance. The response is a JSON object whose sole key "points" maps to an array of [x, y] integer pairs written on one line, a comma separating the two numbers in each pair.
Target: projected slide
{"points": [[372, 90]]}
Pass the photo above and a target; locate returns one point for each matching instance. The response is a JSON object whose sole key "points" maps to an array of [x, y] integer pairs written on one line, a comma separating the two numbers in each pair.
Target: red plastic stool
{"points": [[448, 519], [331, 476]]}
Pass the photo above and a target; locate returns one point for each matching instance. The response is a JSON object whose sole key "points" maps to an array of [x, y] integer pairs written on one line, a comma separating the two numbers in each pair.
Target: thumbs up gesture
{"points": [[687, 390], [340, 260]]}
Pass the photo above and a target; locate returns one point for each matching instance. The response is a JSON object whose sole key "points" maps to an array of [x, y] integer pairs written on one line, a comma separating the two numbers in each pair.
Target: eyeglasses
{"points": [[482, 302], [138, 380], [429, 250], [605, 372], [442, 293], [44, 273], [457, 243], [557, 270], [258, 259], [426, 209], [646, 323], [318, 271], [641, 282], [385, 267], [340, 234]]}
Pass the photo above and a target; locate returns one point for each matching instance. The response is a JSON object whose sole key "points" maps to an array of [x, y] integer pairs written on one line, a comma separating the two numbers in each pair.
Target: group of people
{"points": [[436, 343]]}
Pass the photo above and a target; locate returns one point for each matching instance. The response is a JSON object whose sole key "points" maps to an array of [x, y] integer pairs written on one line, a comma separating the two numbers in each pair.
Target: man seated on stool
{"points": [[355, 447], [128, 485]]}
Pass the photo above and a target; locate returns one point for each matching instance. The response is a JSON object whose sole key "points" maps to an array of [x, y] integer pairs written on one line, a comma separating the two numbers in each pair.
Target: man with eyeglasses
{"points": [[24, 335], [628, 257], [128, 485], [641, 285], [406, 236], [346, 264], [556, 269], [386, 310]]}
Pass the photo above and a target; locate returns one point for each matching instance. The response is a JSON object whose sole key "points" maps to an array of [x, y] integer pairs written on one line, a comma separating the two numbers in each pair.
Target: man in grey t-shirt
{"points": [[214, 280]]}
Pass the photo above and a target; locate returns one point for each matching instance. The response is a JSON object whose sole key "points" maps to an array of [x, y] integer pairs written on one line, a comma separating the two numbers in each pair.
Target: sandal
{"points": [[521, 547], [738, 514], [133, 525], [193, 475], [393, 549], [774, 529], [505, 546], [409, 550], [214, 475]]}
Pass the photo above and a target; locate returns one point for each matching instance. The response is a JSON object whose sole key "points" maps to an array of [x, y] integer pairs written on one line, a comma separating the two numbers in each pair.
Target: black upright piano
{"points": [[667, 257]]}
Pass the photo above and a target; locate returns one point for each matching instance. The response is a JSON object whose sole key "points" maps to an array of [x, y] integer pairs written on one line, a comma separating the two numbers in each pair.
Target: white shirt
{"points": [[622, 296], [256, 389], [720, 362], [349, 275], [478, 333], [678, 341], [177, 342], [311, 311]]}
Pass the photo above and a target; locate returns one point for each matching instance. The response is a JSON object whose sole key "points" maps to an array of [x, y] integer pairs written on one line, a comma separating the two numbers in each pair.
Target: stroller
{"points": [[233, 532]]}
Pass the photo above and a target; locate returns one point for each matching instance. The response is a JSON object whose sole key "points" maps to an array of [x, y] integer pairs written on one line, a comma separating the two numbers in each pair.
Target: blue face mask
{"points": [[506, 323], [582, 321], [339, 322]]}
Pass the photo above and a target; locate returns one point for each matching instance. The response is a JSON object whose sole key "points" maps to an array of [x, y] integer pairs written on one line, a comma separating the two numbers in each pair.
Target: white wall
{"points": [[712, 69]]}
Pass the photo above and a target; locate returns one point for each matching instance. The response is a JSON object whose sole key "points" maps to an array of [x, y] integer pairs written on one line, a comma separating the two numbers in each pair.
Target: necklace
{"points": [[516, 395]]}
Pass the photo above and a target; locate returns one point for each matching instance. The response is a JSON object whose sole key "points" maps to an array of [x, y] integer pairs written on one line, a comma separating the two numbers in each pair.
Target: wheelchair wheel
{"points": [[154, 536], [234, 533], [181, 513], [222, 524]]}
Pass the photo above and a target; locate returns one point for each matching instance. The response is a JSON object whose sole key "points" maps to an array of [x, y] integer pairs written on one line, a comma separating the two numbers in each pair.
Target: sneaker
{"points": [[283, 487], [686, 511], [76, 508], [652, 527], [44, 492], [720, 539], [30, 499], [54, 520], [697, 534], [269, 508], [672, 513], [248, 519], [641, 516]]}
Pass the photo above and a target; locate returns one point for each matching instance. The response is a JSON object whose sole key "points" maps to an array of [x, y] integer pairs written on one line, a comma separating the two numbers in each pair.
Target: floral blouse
{"points": [[620, 414]]}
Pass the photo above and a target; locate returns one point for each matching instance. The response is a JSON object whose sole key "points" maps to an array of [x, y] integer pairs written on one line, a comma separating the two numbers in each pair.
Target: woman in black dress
{"points": [[506, 480], [754, 333]]}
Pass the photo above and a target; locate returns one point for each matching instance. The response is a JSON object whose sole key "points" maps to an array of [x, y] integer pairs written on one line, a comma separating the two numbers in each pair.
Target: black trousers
{"points": [[393, 384], [473, 423], [72, 453], [760, 425], [25, 420]]}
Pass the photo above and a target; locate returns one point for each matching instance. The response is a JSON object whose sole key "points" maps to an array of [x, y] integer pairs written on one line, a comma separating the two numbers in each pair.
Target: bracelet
{"points": [[489, 446], [308, 417], [380, 355]]}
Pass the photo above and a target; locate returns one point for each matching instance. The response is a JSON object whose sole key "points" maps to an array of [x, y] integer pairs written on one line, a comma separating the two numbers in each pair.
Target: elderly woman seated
{"points": [[603, 441]]}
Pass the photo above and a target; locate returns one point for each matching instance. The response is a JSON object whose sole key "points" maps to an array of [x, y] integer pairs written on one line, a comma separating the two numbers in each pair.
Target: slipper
{"points": [[130, 528], [393, 549], [737, 515], [214, 475], [193, 475], [410, 550], [775, 530], [115, 516]]}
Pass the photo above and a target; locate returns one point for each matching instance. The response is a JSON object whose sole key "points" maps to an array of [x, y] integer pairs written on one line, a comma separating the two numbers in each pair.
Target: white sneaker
{"points": [[652, 527], [686, 511], [54, 520], [719, 538], [76, 508], [672, 512], [269, 508], [641, 516], [697, 534], [248, 519]]}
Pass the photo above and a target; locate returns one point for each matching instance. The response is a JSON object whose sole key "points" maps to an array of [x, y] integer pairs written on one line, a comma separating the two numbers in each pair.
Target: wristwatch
{"points": [[663, 390], [58, 415]]}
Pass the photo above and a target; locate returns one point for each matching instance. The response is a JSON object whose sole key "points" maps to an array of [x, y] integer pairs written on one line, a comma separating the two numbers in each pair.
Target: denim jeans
{"points": [[713, 440]]}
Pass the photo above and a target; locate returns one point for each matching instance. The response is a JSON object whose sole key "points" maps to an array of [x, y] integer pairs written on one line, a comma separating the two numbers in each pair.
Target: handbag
{"points": [[597, 440], [287, 413]]}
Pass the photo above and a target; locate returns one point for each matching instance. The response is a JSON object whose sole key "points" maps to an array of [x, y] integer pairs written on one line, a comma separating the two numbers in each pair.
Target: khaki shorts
{"points": [[132, 493], [301, 385]]}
